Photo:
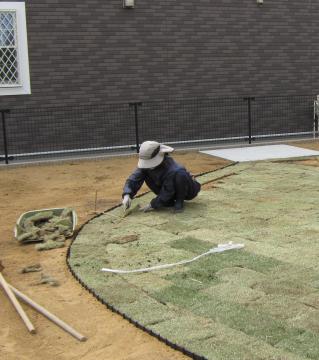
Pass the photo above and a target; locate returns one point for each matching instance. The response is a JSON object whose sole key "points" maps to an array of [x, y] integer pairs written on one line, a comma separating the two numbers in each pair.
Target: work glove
{"points": [[127, 201], [147, 208]]}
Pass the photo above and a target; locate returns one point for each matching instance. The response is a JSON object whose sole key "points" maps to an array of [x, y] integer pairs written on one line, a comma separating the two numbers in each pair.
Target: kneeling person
{"points": [[167, 179]]}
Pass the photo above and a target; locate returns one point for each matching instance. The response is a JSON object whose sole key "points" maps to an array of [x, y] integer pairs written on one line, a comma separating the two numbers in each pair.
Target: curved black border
{"points": [[113, 308]]}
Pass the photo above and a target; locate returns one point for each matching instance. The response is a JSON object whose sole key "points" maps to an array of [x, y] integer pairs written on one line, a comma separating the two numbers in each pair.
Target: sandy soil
{"points": [[71, 184]]}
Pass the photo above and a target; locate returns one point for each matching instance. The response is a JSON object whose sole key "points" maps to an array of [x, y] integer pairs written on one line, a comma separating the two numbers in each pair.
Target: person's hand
{"points": [[147, 208], [127, 201]]}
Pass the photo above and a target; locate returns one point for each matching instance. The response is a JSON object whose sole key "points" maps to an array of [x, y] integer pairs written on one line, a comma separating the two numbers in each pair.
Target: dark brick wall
{"points": [[93, 51]]}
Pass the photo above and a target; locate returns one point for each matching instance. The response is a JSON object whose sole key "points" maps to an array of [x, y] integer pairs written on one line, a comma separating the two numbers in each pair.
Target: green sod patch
{"points": [[236, 316], [256, 303], [236, 258], [192, 244]]}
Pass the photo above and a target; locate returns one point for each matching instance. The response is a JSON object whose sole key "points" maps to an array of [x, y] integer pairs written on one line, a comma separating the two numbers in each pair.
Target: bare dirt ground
{"points": [[72, 184]]}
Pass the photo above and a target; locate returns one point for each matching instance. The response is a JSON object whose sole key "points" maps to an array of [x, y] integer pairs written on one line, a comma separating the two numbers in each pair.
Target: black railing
{"points": [[45, 132], [4, 132]]}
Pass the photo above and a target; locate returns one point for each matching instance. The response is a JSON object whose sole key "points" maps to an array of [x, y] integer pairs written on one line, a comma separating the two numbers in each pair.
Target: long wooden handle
{"points": [[48, 315], [16, 304]]}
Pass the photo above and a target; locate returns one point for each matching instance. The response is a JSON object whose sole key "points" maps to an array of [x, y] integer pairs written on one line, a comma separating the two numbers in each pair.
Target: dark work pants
{"points": [[181, 188], [181, 185], [185, 189]]}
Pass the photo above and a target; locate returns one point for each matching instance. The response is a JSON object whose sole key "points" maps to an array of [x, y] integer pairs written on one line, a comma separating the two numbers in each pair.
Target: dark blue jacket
{"points": [[161, 180]]}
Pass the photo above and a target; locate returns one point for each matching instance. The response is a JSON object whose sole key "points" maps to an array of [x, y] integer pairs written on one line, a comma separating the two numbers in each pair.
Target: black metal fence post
{"points": [[136, 105], [315, 126], [4, 130], [249, 100]]}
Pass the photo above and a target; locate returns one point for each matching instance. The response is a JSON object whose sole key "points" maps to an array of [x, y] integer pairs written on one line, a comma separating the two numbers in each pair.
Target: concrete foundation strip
{"points": [[16, 304], [220, 248]]}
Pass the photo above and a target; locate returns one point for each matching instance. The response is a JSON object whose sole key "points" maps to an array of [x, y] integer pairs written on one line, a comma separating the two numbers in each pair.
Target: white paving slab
{"points": [[254, 153]]}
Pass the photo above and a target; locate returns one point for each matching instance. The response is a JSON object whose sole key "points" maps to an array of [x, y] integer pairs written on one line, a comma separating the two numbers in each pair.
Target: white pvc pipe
{"points": [[220, 248]]}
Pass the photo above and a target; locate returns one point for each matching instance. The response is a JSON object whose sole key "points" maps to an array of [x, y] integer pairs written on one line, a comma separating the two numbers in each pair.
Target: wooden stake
{"points": [[16, 304], [48, 315], [95, 203]]}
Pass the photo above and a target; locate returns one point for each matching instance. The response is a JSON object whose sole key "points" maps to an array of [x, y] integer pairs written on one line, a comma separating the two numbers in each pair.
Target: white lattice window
{"points": [[8, 49], [14, 64]]}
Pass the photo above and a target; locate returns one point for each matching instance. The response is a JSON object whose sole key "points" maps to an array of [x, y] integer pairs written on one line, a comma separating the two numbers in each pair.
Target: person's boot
{"points": [[170, 203], [179, 206]]}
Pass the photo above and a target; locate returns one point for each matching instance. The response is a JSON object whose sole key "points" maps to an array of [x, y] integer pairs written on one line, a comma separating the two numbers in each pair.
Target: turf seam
{"points": [[219, 178]]}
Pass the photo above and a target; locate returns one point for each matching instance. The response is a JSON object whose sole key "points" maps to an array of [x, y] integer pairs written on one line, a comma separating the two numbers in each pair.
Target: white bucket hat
{"points": [[152, 154]]}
